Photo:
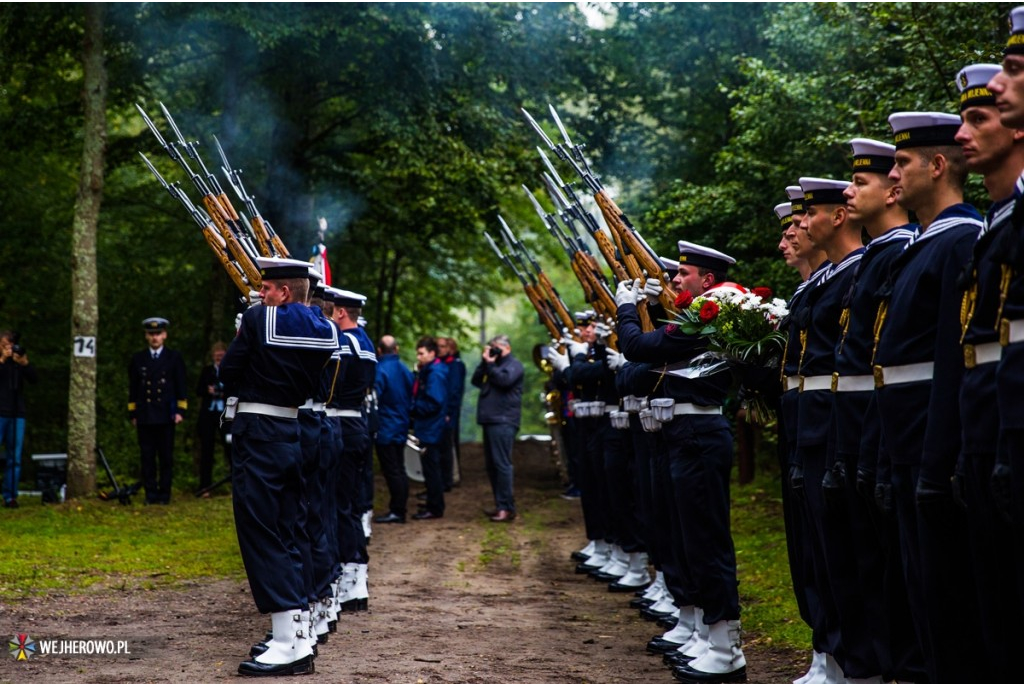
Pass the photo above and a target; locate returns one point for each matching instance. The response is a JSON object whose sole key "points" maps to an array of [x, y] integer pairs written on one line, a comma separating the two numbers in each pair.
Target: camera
{"points": [[494, 351], [18, 350]]}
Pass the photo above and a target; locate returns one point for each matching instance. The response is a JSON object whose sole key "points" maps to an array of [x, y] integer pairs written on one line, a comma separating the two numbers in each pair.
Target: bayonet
{"points": [[538, 129]]}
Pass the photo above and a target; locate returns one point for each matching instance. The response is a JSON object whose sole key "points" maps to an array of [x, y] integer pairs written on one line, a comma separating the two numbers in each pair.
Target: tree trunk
{"points": [[84, 290]]}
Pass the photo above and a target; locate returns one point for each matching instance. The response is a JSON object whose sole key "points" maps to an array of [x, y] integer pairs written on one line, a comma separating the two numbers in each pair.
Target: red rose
{"points": [[708, 311], [763, 292], [684, 299]]}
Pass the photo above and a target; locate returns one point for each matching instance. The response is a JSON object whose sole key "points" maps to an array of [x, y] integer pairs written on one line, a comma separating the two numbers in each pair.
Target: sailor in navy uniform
{"points": [[817, 321], [995, 152], [871, 200], [157, 400], [918, 367], [810, 261], [272, 367], [356, 375], [1007, 482], [700, 460]]}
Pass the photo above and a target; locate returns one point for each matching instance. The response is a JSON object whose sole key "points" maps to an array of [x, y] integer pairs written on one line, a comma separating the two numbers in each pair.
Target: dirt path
{"points": [[454, 600]]}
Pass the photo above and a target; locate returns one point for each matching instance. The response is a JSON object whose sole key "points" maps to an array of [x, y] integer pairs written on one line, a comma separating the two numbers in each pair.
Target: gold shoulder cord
{"points": [[782, 365], [803, 350], [968, 305], [844, 321], [661, 377], [883, 309]]}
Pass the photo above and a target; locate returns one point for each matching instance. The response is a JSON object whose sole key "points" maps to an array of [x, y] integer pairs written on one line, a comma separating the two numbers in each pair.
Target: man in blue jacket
{"points": [[429, 399], [500, 379], [394, 397]]}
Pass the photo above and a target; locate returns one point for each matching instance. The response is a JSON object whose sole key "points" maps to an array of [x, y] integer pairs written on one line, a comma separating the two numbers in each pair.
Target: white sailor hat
{"points": [[693, 254], [823, 191], [671, 266], [872, 155], [155, 323], [796, 199], [279, 268], [345, 298], [924, 129], [585, 318], [785, 213], [973, 84], [1015, 44]]}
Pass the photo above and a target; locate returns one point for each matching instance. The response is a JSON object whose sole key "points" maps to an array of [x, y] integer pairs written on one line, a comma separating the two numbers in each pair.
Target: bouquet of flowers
{"points": [[741, 328]]}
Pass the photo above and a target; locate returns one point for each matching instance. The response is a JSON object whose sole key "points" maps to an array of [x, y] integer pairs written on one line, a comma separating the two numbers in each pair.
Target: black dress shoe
{"points": [[676, 658], [652, 615], [640, 593], [687, 674], [390, 518], [603, 577], [640, 603], [258, 649], [619, 587], [332, 626], [321, 638], [255, 668], [426, 516], [578, 556], [585, 568], [356, 605], [659, 645], [668, 623]]}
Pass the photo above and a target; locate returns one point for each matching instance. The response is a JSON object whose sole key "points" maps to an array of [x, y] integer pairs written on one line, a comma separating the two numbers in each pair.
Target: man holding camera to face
{"points": [[500, 379], [14, 372]]}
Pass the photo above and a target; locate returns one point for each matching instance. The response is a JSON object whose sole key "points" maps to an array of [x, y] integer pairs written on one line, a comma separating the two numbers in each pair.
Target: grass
{"points": [[91, 544]]}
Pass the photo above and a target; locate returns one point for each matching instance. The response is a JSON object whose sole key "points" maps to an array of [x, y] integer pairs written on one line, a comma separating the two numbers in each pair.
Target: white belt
{"points": [[682, 408], [852, 383], [268, 410], [310, 404], [348, 413], [790, 383], [811, 383], [907, 373], [986, 353], [1011, 332]]}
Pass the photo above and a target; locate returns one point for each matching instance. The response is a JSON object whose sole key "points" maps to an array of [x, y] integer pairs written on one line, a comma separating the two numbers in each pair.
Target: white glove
{"points": [[602, 330], [653, 289], [238, 322], [615, 360], [559, 360], [576, 348], [625, 293], [254, 298]]}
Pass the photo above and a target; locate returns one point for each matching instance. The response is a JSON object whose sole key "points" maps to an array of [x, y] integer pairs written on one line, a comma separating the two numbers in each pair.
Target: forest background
{"points": [[401, 124]]}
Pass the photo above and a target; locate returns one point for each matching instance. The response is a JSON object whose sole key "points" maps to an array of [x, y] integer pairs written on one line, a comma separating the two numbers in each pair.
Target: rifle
{"points": [[213, 238], [595, 287], [218, 207], [544, 312], [633, 246], [269, 242], [553, 298]]}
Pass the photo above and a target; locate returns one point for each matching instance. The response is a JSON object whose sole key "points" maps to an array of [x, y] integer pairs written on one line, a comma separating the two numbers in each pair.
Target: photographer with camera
{"points": [[15, 370], [211, 394], [500, 379]]}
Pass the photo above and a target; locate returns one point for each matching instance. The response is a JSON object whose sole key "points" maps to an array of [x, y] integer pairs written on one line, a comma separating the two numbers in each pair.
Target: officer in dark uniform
{"points": [[871, 200], [1007, 482], [157, 400], [356, 375], [272, 367], [812, 264], [918, 368], [994, 151], [700, 454], [818, 324]]}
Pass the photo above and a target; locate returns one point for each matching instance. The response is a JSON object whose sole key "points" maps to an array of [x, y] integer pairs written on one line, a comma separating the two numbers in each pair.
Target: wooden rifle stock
{"points": [[218, 246], [241, 257]]}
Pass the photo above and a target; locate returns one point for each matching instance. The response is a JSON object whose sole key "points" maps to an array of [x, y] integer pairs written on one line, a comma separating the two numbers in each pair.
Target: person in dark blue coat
{"points": [[272, 367], [430, 397], [157, 400], [394, 399]]}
